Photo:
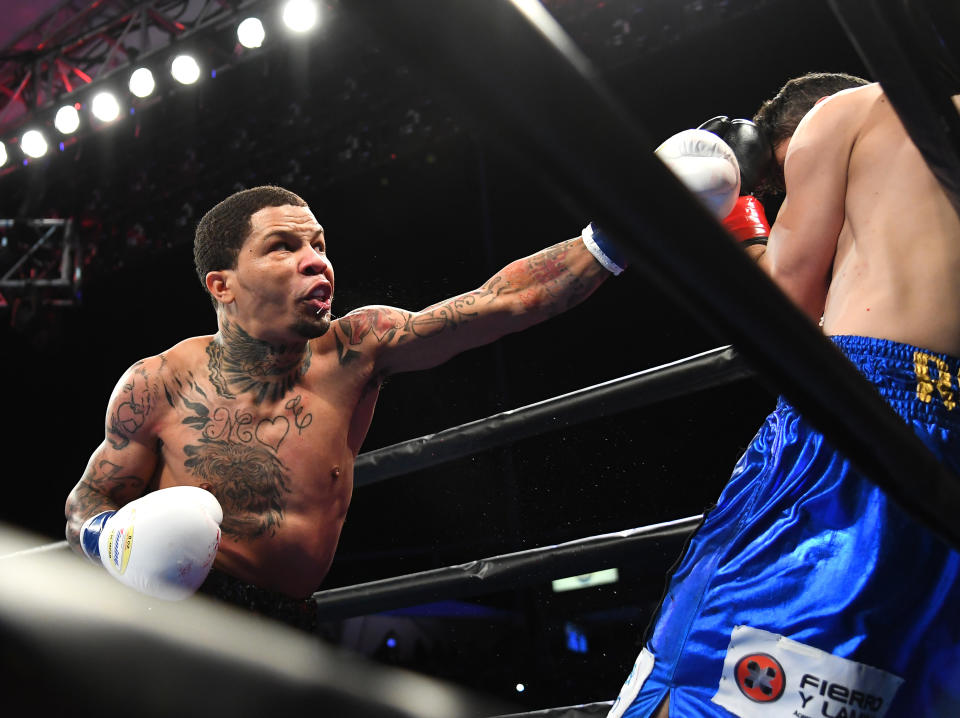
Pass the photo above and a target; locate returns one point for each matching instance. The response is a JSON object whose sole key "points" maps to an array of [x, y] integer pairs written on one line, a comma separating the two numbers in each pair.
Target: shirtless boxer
{"points": [[268, 415], [806, 591], [254, 431]]}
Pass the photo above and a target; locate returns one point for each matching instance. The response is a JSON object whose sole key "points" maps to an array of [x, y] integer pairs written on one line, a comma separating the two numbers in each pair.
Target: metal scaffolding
{"points": [[40, 259], [79, 42]]}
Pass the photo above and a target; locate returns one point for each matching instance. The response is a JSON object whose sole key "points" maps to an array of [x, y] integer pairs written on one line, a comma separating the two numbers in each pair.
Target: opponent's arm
{"points": [[523, 293], [121, 467], [803, 240]]}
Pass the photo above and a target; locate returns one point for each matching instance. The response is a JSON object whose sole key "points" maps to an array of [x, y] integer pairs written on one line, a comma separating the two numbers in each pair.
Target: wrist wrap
{"points": [[603, 248], [90, 534]]}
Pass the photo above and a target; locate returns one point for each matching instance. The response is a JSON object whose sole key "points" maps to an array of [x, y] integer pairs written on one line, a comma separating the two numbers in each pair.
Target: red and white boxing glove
{"points": [[747, 221], [162, 544], [706, 165]]}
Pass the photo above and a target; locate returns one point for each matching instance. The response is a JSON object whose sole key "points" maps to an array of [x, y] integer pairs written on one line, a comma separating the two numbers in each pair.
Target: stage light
{"points": [[300, 15], [521, 688], [33, 144], [250, 33], [3, 154], [67, 119], [105, 107], [185, 69], [141, 82]]}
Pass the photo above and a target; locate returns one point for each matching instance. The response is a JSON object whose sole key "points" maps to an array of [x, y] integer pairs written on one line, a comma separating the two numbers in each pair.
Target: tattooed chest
{"points": [[249, 458]]}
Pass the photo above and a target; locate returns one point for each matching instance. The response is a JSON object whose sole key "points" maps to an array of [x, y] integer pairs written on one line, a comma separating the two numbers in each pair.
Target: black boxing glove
{"points": [[750, 145]]}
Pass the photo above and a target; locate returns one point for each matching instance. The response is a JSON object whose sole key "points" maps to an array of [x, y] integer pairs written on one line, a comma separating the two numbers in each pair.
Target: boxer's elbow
{"points": [[76, 511], [72, 532], [807, 291]]}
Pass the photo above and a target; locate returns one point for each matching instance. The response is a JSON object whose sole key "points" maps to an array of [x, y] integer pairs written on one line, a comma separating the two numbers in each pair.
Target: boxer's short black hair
{"points": [[223, 230]]}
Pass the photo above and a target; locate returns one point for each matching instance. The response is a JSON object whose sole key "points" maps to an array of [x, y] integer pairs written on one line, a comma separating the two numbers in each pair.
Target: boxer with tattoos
{"points": [[265, 418]]}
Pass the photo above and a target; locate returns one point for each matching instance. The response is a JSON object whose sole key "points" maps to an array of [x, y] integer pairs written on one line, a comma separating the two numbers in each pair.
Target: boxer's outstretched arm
{"points": [[523, 293], [121, 467]]}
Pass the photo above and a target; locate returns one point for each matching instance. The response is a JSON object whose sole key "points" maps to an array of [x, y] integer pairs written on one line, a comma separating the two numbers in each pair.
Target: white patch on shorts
{"points": [[768, 676], [642, 668]]}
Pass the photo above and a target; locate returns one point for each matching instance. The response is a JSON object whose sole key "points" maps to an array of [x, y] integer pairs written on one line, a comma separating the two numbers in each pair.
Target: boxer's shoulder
{"points": [[183, 355], [368, 329], [145, 386], [189, 356], [839, 114]]}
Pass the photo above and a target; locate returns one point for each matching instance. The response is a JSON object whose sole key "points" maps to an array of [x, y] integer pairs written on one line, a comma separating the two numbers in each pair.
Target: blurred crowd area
{"points": [[303, 117]]}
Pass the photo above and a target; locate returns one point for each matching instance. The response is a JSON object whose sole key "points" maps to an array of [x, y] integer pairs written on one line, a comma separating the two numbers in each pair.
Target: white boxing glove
{"points": [[706, 165], [162, 544]]}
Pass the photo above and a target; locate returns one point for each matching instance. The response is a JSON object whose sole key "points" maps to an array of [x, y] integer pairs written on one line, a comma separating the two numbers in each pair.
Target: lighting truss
{"points": [[79, 42], [44, 260]]}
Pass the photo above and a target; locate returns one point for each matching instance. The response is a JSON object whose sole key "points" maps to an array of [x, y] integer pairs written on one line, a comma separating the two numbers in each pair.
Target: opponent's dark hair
{"points": [[779, 116], [222, 231]]}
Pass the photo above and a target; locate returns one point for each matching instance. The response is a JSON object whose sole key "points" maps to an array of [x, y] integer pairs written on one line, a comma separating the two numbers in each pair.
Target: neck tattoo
{"points": [[241, 364]]}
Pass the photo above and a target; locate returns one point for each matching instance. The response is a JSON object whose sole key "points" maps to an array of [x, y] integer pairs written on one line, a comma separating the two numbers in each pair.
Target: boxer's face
{"points": [[282, 286], [774, 184], [780, 152]]}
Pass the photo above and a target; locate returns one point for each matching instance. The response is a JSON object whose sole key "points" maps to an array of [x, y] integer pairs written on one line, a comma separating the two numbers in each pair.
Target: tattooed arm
{"points": [[523, 293], [121, 467]]}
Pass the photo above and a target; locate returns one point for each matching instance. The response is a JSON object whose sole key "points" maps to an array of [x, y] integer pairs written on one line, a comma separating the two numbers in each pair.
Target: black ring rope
{"points": [[507, 571], [686, 376]]}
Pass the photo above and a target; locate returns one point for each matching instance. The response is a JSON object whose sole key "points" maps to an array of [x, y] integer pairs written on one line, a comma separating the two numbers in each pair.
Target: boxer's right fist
{"points": [[162, 544], [706, 165], [750, 145]]}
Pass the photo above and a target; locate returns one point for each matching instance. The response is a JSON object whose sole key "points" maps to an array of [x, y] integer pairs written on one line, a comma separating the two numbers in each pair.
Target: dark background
{"points": [[418, 204]]}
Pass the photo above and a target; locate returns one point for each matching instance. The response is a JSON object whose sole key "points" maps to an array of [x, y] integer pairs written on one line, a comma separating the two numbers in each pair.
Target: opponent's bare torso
{"points": [[896, 270], [278, 454]]}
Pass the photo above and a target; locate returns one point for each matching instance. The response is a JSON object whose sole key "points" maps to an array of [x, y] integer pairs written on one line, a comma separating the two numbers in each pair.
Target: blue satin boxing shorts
{"points": [[806, 591]]}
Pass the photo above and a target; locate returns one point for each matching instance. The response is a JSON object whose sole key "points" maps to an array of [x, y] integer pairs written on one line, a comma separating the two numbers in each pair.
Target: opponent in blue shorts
{"points": [[807, 591]]}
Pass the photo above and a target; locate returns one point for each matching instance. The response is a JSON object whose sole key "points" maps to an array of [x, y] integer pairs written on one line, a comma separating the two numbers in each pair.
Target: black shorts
{"points": [[299, 613]]}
